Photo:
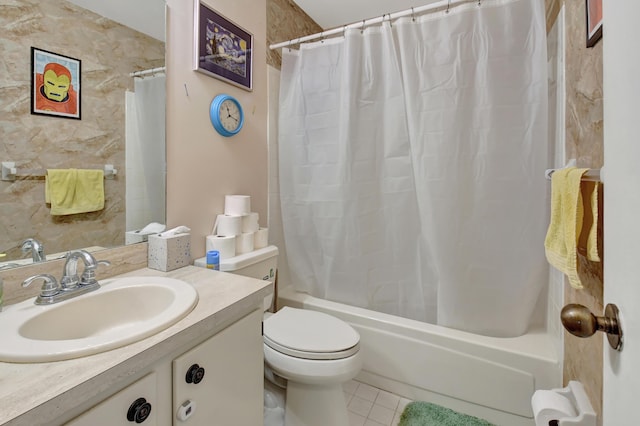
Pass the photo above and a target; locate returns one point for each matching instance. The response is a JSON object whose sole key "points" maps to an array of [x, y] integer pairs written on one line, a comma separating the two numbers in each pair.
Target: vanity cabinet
{"points": [[223, 377], [215, 382]]}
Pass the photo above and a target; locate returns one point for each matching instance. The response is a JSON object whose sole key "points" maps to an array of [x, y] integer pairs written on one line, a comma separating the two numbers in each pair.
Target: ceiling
{"points": [[336, 13], [148, 15]]}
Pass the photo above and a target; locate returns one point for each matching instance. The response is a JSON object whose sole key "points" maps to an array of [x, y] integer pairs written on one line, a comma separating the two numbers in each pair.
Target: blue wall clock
{"points": [[226, 115]]}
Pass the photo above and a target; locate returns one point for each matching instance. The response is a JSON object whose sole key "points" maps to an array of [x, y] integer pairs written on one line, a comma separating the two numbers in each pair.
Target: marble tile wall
{"points": [[109, 52], [286, 21], [584, 141]]}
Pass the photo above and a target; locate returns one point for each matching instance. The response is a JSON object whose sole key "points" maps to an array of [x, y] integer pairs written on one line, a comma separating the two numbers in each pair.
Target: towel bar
{"points": [[591, 175], [10, 172]]}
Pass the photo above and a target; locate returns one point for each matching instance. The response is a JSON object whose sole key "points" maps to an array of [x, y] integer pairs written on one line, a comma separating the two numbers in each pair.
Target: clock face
{"points": [[229, 115], [226, 115]]}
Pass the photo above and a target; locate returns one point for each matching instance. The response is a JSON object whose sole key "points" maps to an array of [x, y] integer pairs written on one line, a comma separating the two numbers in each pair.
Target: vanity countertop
{"points": [[38, 393]]}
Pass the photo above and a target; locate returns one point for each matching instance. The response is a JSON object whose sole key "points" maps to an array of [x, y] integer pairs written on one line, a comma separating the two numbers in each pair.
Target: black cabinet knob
{"points": [[139, 411], [195, 374]]}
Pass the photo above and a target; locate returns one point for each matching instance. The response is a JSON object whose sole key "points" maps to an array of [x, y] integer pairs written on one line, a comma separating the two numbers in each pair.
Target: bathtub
{"points": [[488, 377]]}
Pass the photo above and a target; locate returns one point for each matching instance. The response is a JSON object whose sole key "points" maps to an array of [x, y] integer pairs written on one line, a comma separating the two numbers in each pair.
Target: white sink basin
{"points": [[122, 311]]}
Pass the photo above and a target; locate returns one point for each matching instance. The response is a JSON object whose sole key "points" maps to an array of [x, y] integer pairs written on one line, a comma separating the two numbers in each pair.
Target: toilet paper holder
{"points": [[579, 321], [575, 393]]}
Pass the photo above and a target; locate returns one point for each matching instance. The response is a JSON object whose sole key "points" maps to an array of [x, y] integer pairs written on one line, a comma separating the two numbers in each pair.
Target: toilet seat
{"points": [[310, 335]]}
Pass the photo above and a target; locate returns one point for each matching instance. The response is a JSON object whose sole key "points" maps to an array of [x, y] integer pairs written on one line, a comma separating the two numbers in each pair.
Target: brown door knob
{"points": [[579, 321]]}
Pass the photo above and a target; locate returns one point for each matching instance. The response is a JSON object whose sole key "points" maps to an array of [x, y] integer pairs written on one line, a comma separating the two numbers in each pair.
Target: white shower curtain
{"points": [[411, 166], [145, 152]]}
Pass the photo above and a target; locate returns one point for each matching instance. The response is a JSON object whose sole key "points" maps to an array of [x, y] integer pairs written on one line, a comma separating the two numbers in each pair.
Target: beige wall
{"points": [[203, 166], [109, 52], [584, 141]]}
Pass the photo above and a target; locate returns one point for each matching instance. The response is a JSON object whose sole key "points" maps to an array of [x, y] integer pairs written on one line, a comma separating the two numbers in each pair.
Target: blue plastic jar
{"points": [[213, 260]]}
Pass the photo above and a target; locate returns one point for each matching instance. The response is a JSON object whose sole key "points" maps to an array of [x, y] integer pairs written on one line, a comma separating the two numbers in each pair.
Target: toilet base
{"points": [[315, 405]]}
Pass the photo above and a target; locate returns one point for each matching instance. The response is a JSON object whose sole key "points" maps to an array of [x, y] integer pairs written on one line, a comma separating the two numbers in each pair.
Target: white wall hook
{"points": [[9, 170], [109, 171]]}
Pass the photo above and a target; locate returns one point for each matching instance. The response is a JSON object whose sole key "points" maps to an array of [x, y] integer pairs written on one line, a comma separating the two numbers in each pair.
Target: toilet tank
{"points": [[261, 264]]}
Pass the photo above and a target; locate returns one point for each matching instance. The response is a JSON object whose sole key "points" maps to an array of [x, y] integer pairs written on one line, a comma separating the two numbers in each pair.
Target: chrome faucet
{"points": [[70, 278], [70, 285], [36, 248]]}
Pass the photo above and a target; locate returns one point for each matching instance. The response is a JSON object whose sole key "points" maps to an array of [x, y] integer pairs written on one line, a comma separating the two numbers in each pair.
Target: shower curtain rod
{"points": [[442, 4], [147, 72]]}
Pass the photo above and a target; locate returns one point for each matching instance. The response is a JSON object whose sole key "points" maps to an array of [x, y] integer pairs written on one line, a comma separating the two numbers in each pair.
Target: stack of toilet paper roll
{"points": [[237, 231]]}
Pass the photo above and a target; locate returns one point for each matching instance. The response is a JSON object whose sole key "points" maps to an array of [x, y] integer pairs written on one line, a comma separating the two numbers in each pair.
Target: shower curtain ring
{"points": [[344, 31], [362, 27], [413, 15], [479, 3], [448, 6]]}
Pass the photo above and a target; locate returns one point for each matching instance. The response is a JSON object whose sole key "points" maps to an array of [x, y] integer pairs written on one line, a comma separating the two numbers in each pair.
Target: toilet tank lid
{"points": [[247, 259]]}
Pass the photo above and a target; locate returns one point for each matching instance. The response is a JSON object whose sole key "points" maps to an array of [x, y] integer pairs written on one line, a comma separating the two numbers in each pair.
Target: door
{"points": [[621, 88]]}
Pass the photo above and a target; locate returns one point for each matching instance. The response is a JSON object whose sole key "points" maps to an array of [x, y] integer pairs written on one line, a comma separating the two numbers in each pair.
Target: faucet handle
{"points": [[49, 287], [89, 274]]}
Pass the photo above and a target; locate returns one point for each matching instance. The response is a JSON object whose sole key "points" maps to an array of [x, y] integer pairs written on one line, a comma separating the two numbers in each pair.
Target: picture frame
{"points": [[55, 84], [222, 49], [594, 21]]}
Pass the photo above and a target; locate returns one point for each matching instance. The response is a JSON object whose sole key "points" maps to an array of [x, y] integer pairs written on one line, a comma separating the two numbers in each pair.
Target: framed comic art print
{"points": [[55, 84]]}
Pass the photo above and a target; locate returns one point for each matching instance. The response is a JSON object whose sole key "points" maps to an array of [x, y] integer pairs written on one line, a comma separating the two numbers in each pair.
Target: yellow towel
{"points": [[567, 213], [72, 191], [588, 240]]}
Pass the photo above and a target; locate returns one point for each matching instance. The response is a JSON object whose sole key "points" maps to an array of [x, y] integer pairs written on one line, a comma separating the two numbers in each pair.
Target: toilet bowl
{"points": [[316, 353], [310, 353]]}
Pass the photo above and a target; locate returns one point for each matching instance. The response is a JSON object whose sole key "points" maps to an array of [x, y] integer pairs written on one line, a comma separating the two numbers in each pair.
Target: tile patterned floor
{"points": [[370, 406]]}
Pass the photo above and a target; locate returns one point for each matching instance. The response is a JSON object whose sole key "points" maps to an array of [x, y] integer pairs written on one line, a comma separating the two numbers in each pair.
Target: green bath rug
{"points": [[426, 414]]}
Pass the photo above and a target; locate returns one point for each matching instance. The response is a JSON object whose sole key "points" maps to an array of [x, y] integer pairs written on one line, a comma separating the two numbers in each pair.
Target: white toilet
{"points": [[313, 352]]}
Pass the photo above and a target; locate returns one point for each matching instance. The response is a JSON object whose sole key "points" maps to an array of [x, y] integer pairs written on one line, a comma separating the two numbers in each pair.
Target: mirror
{"points": [[110, 46]]}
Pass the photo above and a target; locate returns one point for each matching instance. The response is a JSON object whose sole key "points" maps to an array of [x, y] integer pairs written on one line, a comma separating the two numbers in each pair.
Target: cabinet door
{"points": [[222, 378], [132, 405]]}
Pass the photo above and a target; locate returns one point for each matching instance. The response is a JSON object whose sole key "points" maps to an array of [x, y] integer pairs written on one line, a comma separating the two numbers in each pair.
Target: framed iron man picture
{"points": [[55, 84]]}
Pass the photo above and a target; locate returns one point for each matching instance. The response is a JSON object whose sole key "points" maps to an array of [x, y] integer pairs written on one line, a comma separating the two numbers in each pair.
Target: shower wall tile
{"points": [[286, 21], [109, 52]]}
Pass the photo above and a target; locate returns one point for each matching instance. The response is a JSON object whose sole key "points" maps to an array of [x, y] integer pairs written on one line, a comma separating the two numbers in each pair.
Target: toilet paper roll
{"points": [[548, 405], [237, 205], [244, 243], [225, 245], [260, 238], [250, 222], [227, 226]]}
